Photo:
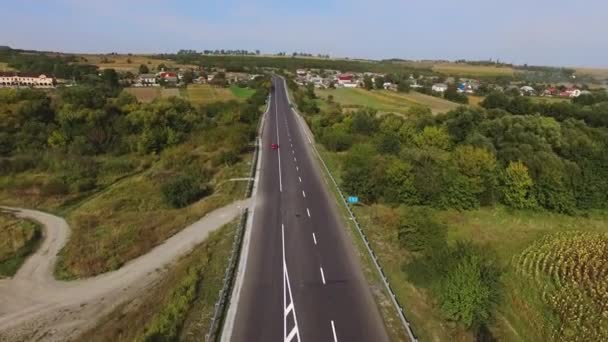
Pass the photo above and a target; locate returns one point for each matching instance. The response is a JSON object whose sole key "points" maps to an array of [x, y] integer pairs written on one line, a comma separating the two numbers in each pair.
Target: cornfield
{"points": [[571, 271]]}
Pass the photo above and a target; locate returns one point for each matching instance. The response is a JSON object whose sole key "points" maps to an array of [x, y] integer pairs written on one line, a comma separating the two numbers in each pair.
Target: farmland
{"points": [[472, 70], [129, 63], [204, 93], [385, 101]]}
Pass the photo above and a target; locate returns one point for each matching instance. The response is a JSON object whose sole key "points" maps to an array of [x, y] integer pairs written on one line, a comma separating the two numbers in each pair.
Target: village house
{"points": [[12, 79], [347, 81], [527, 90], [146, 80], [168, 77], [439, 87]]}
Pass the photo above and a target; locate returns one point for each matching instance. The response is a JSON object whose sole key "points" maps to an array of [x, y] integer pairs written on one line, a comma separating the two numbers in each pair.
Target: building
{"points": [[570, 92], [347, 81], [13, 79], [439, 87], [146, 80], [169, 77]]}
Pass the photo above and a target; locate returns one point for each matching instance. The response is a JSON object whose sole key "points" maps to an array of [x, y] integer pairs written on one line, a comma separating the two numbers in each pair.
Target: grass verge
{"points": [[181, 305], [18, 239]]}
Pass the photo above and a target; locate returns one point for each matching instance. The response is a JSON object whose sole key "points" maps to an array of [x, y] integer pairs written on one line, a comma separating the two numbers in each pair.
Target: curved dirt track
{"points": [[36, 306]]}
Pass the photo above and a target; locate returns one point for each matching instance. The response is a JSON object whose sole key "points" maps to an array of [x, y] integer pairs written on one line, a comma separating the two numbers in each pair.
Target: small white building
{"points": [[147, 80], [439, 87]]}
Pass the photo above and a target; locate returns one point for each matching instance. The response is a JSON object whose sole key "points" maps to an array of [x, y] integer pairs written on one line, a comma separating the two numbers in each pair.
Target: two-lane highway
{"points": [[302, 280]]}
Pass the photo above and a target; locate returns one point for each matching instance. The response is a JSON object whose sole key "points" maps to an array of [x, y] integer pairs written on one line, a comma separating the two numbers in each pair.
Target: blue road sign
{"points": [[353, 199]]}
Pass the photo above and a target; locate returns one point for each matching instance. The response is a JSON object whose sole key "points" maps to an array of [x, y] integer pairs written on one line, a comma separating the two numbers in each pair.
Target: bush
{"points": [[420, 231], [469, 290], [55, 187], [182, 191], [229, 158]]}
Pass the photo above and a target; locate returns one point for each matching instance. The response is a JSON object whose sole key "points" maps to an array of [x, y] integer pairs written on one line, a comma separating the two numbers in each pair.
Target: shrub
{"points": [[420, 231], [55, 187], [182, 191], [468, 292], [229, 158]]}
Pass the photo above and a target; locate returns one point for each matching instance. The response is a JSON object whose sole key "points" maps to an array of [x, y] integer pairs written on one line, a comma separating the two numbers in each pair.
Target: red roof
{"points": [[345, 77], [167, 74]]}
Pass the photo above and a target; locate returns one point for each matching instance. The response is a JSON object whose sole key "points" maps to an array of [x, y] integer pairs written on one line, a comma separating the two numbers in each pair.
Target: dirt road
{"points": [[35, 306]]}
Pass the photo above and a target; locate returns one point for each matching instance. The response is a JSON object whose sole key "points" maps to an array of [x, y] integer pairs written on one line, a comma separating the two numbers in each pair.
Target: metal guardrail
{"points": [[229, 276], [398, 307]]}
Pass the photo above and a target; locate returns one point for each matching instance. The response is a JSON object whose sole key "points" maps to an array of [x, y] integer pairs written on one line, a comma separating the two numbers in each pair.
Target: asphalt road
{"points": [[302, 280]]}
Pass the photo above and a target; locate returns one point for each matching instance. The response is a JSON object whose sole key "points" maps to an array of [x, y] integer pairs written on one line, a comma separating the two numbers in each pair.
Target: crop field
{"points": [[145, 94], [129, 63], [471, 70], [569, 271], [4, 67], [385, 101], [598, 73], [204, 94]]}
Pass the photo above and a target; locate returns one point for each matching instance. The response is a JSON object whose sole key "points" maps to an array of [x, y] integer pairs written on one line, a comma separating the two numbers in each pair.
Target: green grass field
{"points": [[204, 94], [241, 93], [385, 101], [471, 70]]}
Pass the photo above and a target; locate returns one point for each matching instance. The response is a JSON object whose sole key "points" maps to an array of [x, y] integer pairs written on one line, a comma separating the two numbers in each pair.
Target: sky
{"points": [[539, 32]]}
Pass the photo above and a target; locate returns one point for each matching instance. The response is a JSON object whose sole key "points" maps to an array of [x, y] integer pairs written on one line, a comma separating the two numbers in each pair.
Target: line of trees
{"points": [[469, 158]]}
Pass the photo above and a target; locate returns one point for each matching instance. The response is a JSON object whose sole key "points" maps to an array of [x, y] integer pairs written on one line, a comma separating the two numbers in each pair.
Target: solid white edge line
{"points": [[284, 278], [276, 115], [333, 329], [235, 296], [314, 237], [322, 275]]}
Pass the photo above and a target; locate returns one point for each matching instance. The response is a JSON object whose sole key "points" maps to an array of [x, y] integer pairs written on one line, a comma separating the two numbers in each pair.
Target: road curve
{"points": [[302, 280], [36, 306]]}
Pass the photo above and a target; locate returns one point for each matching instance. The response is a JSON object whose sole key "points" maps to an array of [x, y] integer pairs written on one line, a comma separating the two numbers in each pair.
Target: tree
{"points": [[399, 183], [516, 186], [110, 78], [188, 77], [358, 173], [453, 95], [363, 122], [468, 292], [379, 82], [403, 86], [368, 84], [433, 137]]}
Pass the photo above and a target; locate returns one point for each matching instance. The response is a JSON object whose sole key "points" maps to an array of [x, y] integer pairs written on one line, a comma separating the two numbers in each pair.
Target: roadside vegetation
{"points": [[180, 307], [18, 239], [125, 174], [489, 221]]}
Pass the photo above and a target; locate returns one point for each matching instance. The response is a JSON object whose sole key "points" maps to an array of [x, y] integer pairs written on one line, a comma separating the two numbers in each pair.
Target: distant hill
{"points": [[4, 47]]}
